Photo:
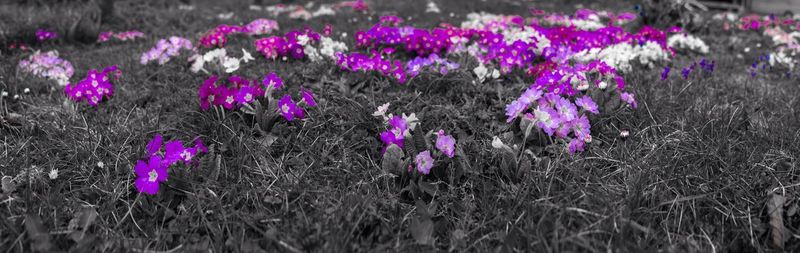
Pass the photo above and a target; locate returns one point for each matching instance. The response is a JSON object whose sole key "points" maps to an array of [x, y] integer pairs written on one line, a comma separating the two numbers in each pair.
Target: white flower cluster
{"points": [[484, 73], [686, 41], [327, 49], [219, 57], [498, 24], [620, 56], [432, 8], [788, 47]]}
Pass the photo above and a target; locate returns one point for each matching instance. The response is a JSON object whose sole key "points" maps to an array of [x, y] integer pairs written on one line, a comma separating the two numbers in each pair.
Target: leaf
{"points": [[39, 236], [775, 211], [392, 161], [421, 229], [8, 184]]}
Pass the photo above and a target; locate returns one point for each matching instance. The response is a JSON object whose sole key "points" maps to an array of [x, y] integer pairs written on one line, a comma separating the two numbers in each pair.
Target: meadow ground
{"points": [[704, 160]]}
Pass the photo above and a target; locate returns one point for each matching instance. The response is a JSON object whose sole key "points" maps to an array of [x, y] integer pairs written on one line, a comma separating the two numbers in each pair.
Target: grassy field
{"points": [[704, 159]]}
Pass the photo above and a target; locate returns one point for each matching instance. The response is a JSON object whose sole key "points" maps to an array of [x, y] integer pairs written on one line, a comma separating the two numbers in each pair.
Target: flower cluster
{"points": [[705, 65], [160, 157], [243, 91], [220, 58], [121, 36], [687, 42], [441, 65], [218, 36], [355, 62], [48, 65], [44, 35], [292, 44], [96, 86], [399, 129], [165, 49]]}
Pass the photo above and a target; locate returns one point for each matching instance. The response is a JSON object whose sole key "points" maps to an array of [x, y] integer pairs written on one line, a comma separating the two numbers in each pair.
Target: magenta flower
{"points": [[587, 104], [424, 162], [308, 97], [445, 143], [149, 175], [289, 109], [154, 145], [173, 152], [246, 94], [272, 80]]}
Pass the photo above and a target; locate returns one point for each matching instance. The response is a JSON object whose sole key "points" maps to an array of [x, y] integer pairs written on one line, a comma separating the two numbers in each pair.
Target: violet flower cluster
{"points": [[400, 127], [95, 87], [44, 35], [165, 49], [706, 66], [218, 37], [155, 168], [243, 91], [121, 36], [48, 65], [290, 45]]}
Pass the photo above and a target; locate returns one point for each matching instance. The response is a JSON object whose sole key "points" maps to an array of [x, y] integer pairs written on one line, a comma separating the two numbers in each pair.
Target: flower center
{"points": [[285, 108], [248, 97], [153, 175], [186, 155], [229, 100]]}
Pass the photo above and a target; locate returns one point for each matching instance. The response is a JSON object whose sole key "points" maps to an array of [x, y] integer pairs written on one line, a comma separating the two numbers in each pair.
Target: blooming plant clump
{"points": [[687, 42], [96, 86], [242, 91], [159, 158], [218, 36], [399, 128], [165, 49], [45, 35], [219, 57], [48, 65], [121, 36]]}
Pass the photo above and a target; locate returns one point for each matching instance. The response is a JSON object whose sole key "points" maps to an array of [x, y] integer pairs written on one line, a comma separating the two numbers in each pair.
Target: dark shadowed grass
{"points": [[694, 175]]}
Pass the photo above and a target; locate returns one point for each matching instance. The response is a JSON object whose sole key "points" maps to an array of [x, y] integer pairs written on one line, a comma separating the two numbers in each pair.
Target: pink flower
{"points": [[628, 98], [587, 104], [424, 162], [149, 175], [445, 143], [154, 146], [272, 80], [289, 109]]}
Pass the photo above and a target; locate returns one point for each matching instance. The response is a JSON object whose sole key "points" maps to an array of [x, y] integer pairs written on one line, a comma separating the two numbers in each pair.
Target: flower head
{"points": [[587, 104], [150, 174], [424, 162], [445, 143], [308, 97]]}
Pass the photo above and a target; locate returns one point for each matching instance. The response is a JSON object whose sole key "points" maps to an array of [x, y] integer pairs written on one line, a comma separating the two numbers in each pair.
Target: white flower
{"points": [[411, 120], [381, 111], [53, 174], [225, 16], [480, 72], [230, 64], [302, 40], [686, 41], [26, 90], [432, 8], [199, 61], [246, 56]]}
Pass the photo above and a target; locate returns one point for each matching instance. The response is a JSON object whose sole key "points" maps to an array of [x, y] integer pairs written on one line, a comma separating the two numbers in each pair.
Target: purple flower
{"points": [[566, 108], [149, 175], [424, 162], [289, 109], [246, 94], [587, 104], [628, 98], [308, 97], [154, 145], [173, 152], [576, 145], [445, 143], [272, 80], [665, 73]]}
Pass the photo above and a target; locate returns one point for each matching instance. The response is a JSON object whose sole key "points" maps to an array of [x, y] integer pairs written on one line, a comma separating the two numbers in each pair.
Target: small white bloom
{"points": [[411, 120], [246, 56], [26, 91], [381, 111], [53, 174], [230, 64], [100, 164]]}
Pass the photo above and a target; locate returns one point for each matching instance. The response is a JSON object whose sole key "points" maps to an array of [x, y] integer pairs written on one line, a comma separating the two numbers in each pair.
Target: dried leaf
{"points": [[392, 161], [421, 229], [38, 235], [8, 184], [775, 211]]}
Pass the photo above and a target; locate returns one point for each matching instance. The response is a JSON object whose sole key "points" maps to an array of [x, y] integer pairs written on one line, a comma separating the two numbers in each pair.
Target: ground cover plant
{"points": [[424, 125]]}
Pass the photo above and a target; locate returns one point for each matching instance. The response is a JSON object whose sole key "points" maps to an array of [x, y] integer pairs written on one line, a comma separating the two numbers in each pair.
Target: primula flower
{"points": [[149, 175], [587, 104], [424, 162], [154, 146], [628, 98], [289, 109], [665, 73], [272, 81], [43, 35], [308, 97], [445, 143], [94, 87], [245, 95]]}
